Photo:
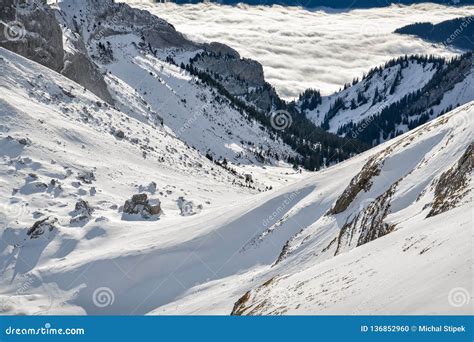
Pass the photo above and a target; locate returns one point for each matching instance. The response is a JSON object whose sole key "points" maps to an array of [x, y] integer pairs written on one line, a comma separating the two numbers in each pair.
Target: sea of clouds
{"points": [[301, 48]]}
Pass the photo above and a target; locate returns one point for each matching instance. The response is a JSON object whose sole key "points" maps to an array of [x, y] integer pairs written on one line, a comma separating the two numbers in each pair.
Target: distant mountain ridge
{"points": [[394, 98], [457, 32], [96, 33], [177, 196]]}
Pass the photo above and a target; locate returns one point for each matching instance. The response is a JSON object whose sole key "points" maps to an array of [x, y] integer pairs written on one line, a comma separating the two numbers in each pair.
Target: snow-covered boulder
{"points": [[82, 212], [42, 226], [187, 208], [86, 176]]}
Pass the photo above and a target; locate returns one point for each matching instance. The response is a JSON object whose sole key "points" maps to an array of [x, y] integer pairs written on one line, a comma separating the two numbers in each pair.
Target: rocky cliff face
{"points": [[32, 32], [382, 222], [100, 19], [453, 185], [78, 66], [241, 77]]}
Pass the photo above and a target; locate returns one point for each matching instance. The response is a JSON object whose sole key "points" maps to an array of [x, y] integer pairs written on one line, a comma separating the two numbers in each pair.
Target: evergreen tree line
{"points": [[412, 110], [316, 147]]}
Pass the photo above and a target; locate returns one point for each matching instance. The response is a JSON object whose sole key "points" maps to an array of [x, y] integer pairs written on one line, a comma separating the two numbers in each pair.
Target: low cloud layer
{"points": [[302, 49]]}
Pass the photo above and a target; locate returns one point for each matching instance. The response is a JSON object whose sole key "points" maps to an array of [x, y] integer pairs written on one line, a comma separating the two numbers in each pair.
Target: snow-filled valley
{"points": [[232, 243], [138, 188]]}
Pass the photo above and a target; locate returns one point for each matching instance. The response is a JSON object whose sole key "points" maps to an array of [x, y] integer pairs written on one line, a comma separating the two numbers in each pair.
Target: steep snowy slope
{"points": [[409, 91], [69, 163], [397, 240], [387, 232], [68, 246], [133, 49], [377, 90]]}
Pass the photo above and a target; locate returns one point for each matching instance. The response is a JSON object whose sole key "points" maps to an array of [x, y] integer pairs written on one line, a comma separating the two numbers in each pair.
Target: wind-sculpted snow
{"points": [[383, 230], [63, 151], [64, 181], [173, 200]]}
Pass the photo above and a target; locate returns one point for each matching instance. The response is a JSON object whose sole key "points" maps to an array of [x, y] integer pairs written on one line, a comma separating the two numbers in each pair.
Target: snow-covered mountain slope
{"points": [[303, 48], [171, 198], [133, 49], [70, 162], [387, 232], [221, 104], [397, 240], [377, 90], [62, 146], [417, 89]]}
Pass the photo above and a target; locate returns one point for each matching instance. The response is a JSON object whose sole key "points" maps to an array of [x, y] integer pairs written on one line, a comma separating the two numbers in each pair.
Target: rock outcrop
{"points": [[241, 77], [453, 185], [140, 205], [79, 68], [82, 212], [42, 226], [86, 176], [33, 32], [361, 182]]}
